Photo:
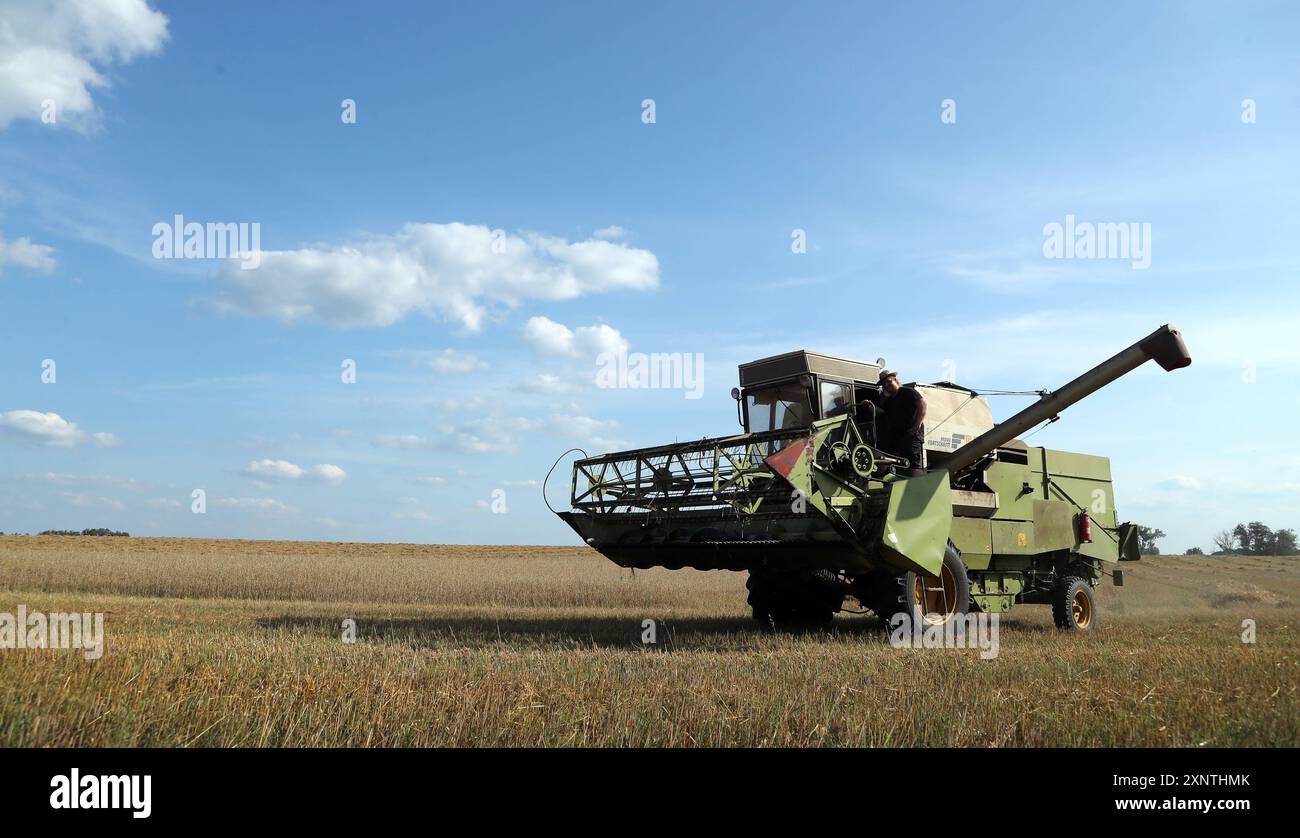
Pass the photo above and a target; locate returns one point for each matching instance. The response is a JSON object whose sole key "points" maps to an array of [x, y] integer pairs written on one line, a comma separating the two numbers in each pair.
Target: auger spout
{"points": [[1165, 346]]}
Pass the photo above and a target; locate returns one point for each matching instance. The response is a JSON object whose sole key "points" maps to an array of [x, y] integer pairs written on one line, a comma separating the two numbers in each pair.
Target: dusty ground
{"points": [[239, 643]]}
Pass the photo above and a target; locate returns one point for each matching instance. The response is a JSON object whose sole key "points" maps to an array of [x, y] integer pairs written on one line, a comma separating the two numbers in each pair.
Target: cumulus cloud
{"points": [[285, 470], [275, 469], [546, 335], [22, 253], [451, 362], [329, 473], [547, 383], [455, 271], [611, 232], [266, 505], [37, 428], [103, 439], [59, 51], [587, 430]]}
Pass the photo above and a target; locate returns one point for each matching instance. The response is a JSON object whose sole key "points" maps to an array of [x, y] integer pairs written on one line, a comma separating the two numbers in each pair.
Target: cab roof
{"points": [[804, 361]]}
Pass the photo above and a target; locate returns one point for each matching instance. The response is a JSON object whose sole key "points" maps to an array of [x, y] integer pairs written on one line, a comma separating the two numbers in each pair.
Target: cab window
{"points": [[835, 398], [777, 408]]}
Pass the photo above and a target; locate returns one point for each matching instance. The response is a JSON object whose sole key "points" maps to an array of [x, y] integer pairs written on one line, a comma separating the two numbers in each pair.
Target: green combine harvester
{"points": [[816, 513]]}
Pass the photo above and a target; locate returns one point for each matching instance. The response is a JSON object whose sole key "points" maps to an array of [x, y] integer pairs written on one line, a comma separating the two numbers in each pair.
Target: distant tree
{"points": [[1194, 551], [1262, 540], [1147, 538], [1256, 539], [95, 531]]}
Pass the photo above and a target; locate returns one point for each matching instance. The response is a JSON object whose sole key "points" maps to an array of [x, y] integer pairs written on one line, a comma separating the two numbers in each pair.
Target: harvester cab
{"points": [[795, 389], [805, 501]]}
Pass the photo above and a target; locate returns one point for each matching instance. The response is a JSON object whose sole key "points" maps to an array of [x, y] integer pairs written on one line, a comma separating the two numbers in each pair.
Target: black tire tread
{"points": [[1062, 597]]}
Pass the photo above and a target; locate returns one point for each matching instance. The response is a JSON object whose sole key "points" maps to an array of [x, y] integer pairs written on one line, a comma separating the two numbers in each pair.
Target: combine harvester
{"points": [[805, 502]]}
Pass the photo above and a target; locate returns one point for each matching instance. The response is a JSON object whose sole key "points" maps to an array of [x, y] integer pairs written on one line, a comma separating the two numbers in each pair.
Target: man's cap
{"points": [[886, 374]]}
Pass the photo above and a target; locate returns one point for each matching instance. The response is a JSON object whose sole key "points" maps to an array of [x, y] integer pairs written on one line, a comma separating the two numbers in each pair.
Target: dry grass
{"points": [[237, 644]]}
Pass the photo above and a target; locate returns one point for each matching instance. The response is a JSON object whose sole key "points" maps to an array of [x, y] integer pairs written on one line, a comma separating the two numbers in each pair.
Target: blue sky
{"points": [[924, 244]]}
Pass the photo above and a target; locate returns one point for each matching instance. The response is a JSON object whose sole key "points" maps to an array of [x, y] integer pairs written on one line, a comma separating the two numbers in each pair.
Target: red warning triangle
{"points": [[783, 461]]}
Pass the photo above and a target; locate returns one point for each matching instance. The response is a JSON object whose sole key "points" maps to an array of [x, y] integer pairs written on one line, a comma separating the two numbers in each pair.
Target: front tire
{"points": [[795, 600], [1074, 604], [929, 600]]}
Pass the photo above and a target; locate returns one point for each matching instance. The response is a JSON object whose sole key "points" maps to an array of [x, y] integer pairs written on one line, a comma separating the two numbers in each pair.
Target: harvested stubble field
{"points": [[238, 643]]}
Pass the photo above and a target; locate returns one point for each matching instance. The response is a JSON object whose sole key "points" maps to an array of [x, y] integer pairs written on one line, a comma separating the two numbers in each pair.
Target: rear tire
{"points": [[1074, 604]]}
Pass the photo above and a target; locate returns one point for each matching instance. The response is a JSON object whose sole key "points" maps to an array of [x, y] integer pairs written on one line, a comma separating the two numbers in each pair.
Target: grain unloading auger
{"points": [[807, 503]]}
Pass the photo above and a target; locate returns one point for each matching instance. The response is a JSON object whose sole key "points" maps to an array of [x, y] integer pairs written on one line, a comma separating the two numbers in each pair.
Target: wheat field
{"points": [[240, 643]]}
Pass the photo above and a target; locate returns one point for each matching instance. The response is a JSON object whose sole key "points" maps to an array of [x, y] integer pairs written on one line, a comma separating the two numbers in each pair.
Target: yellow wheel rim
{"points": [[1081, 608], [935, 597]]}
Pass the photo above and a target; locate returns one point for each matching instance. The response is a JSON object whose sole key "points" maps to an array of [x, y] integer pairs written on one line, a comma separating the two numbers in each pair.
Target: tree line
{"points": [[1253, 539]]}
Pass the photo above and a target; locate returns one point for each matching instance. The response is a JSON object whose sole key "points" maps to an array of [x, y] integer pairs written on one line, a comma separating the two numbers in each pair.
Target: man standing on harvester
{"points": [[900, 422]]}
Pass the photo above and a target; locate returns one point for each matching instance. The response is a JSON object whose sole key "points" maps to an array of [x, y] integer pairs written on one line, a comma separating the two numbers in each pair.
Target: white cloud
{"points": [[545, 335], [93, 501], [59, 50], [429, 481], [547, 383], [285, 470], [503, 434], [103, 439], [22, 253], [403, 441], [476, 403], [56, 479], [256, 504], [329, 473], [611, 232], [41, 428], [491, 435], [580, 426], [451, 362], [274, 469], [587, 430], [453, 271]]}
